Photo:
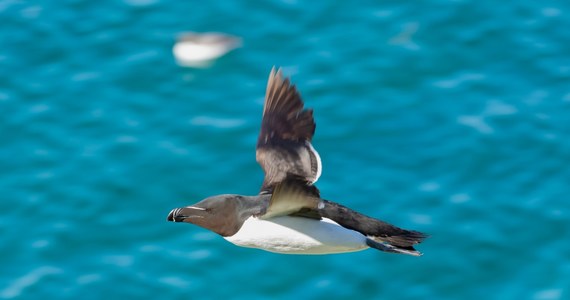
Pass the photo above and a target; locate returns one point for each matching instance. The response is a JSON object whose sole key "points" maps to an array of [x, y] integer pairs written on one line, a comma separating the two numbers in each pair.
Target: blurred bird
{"points": [[288, 215], [199, 50]]}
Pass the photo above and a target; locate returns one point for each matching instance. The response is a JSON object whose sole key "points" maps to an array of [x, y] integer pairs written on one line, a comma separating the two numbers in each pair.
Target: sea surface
{"points": [[447, 117]]}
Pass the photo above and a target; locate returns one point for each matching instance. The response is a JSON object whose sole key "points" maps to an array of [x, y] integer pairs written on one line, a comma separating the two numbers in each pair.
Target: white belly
{"points": [[296, 235]]}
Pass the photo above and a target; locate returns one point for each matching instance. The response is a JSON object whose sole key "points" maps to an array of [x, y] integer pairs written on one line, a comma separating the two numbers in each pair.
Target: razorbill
{"points": [[288, 216]]}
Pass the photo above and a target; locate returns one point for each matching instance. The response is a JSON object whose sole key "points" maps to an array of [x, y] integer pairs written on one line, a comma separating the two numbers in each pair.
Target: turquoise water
{"points": [[448, 117]]}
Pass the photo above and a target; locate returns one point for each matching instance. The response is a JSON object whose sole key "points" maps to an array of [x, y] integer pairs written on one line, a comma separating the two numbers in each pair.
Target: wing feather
{"points": [[293, 196], [284, 144]]}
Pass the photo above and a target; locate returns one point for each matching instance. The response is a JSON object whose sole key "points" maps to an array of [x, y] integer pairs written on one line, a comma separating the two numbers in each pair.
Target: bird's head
{"points": [[217, 213]]}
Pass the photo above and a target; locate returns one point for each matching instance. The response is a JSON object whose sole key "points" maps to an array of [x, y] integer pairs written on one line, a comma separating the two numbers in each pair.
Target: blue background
{"points": [[448, 117]]}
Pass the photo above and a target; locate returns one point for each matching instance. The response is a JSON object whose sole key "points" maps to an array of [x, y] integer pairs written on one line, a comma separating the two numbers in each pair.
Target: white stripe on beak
{"points": [[197, 208]]}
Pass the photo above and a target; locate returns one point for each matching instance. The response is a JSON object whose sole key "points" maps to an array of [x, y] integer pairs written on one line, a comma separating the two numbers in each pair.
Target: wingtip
{"points": [[410, 252], [275, 72], [386, 247], [278, 88]]}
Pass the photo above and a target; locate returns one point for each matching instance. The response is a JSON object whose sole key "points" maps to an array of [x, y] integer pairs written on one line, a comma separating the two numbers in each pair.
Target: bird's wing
{"points": [[284, 145], [293, 196]]}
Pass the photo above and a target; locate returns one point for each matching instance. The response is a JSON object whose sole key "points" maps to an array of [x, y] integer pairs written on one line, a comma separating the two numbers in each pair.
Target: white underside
{"points": [[297, 235]]}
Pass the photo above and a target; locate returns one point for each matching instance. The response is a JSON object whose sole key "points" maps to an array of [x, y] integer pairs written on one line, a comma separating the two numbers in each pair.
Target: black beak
{"points": [[175, 215], [182, 214]]}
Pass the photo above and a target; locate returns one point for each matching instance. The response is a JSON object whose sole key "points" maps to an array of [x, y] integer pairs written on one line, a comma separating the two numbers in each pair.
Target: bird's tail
{"points": [[380, 235], [402, 243]]}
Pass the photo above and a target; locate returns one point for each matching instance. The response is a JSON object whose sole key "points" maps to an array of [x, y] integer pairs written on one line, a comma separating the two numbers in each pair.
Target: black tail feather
{"points": [[403, 238], [402, 243]]}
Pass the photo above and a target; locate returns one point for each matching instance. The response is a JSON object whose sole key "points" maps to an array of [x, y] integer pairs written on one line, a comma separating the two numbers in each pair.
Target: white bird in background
{"points": [[199, 50]]}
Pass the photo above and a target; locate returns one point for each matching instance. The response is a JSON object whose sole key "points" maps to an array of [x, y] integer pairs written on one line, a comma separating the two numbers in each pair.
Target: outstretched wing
{"points": [[284, 145]]}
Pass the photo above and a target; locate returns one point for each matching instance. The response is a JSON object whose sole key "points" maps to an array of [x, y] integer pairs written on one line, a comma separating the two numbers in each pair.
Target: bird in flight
{"points": [[288, 215]]}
